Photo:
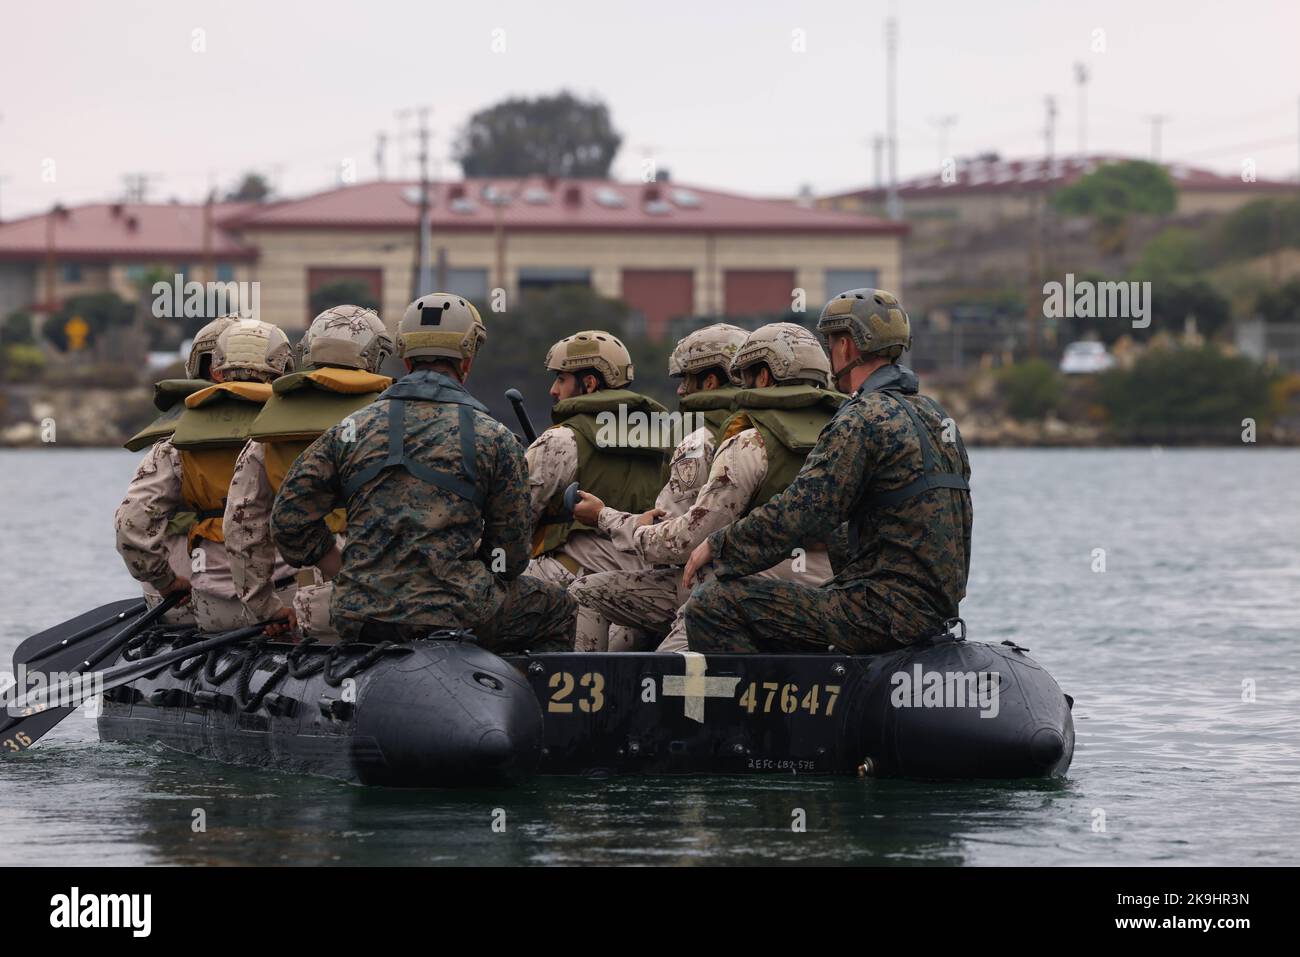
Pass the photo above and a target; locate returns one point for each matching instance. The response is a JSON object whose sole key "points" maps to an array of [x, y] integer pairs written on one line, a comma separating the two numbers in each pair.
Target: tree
{"points": [[1186, 394], [253, 188], [552, 135], [17, 329], [1281, 304], [1031, 389], [1173, 302], [352, 292], [1257, 228], [1174, 254], [1112, 193]]}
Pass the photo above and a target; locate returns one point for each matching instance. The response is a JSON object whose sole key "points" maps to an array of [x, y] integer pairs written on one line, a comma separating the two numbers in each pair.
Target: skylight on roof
{"points": [[685, 198], [658, 207], [537, 196], [463, 204], [612, 198], [412, 195]]}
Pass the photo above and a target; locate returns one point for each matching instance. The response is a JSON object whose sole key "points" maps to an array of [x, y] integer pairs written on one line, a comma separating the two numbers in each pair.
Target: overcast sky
{"points": [[716, 91]]}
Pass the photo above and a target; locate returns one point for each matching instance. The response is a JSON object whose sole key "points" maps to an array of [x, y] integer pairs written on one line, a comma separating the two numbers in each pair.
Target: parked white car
{"points": [[1083, 358]]}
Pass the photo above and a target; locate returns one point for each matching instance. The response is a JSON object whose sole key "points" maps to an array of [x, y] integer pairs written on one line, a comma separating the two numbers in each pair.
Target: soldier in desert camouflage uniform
{"points": [[184, 480], [775, 423], [436, 494], [592, 372], [169, 398], [891, 465], [343, 349]]}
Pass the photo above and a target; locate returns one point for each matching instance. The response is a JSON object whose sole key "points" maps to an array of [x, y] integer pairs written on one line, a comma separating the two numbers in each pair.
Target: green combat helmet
{"points": [[252, 351], [708, 348], [593, 349], [347, 336], [873, 317], [440, 324], [199, 363], [791, 352]]}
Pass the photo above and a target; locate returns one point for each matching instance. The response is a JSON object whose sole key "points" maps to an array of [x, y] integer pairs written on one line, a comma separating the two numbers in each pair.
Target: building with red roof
{"points": [[986, 191], [666, 249]]}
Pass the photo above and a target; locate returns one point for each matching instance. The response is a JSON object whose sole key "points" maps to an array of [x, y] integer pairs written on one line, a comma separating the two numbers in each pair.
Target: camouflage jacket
{"points": [[912, 559], [416, 553], [254, 564]]}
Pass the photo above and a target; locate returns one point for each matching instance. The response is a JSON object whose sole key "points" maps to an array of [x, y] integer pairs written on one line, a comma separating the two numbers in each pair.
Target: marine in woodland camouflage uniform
{"points": [[341, 337], [441, 539], [901, 567], [735, 475]]}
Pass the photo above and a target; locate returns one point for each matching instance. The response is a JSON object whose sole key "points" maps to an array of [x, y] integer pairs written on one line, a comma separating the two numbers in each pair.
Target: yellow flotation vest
{"points": [[209, 435], [302, 406]]}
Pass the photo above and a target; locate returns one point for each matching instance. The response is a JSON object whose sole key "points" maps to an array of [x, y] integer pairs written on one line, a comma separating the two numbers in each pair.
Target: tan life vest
{"points": [[302, 406], [209, 436], [789, 418]]}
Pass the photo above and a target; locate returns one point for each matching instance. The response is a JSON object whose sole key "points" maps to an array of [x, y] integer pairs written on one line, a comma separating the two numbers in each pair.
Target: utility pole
{"points": [[1081, 78], [380, 140], [137, 186], [877, 144], [1155, 119], [423, 273], [1049, 130], [893, 208], [943, 124]]}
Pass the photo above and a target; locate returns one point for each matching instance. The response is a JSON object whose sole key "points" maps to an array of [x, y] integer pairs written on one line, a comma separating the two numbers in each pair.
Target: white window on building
{"points": [[842, 280]]}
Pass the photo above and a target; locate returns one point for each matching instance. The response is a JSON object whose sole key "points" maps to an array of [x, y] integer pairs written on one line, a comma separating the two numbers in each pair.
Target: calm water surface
{"points": [[1199, 598]]}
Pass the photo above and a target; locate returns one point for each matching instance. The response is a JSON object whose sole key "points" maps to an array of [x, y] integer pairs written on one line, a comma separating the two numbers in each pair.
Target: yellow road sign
{"points": [[76, 329]]}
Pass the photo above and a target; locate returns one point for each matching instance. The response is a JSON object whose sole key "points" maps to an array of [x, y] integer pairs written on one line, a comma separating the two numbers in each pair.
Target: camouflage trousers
{"points": [[532, 615], [594, 556], [311, 605], [767, 615], [648, 601]]}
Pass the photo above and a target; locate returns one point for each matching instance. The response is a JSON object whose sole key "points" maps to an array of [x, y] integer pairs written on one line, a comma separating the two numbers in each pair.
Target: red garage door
{"points": [[324, 276], [659, 295], [750, 292]]}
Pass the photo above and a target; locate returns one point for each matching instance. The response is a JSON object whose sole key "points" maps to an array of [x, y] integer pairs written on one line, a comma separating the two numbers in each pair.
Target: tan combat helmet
{"points": [[442, 325], [347, 336], [252, 351], [708, 348], [199, 363], [790, 351], [874, 318], [593, 349]]}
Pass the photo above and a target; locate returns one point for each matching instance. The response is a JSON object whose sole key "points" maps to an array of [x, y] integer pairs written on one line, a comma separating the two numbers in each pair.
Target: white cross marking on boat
{"points": [[695, 685]]}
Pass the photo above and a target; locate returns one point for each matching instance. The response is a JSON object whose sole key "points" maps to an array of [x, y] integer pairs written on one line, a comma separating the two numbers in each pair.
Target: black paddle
{"points": [[28, 720], [73, 630], [74, 692], [517, 400]]}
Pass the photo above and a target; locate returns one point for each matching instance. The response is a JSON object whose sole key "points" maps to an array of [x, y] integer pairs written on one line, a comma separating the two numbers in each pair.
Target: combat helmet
{"points": [[252, 351], [440, 324], [348, 336], [874, 318], [199, 363], [790, 351], [593, 349], [708, 348]]}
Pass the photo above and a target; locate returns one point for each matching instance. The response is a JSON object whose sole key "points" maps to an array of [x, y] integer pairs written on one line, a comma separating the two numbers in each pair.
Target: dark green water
{"points": [[1200, 594]]}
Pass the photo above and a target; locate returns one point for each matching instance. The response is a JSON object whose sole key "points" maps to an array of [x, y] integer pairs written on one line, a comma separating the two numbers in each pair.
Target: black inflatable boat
{"points": [[444, 712]]}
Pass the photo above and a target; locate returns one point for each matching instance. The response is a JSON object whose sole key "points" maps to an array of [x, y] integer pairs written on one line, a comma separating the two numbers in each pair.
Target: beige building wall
{"points": [[287, 255]]}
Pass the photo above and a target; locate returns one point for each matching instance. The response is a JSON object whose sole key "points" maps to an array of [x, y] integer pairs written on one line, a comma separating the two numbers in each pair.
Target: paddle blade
{"points": [[105, 620]]}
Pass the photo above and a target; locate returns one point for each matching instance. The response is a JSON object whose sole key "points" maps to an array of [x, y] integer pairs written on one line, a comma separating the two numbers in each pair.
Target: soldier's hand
{"points": [[588, 509], [330, 563], [178, 584], [283, 622], [702, 556], [650, 517]]}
